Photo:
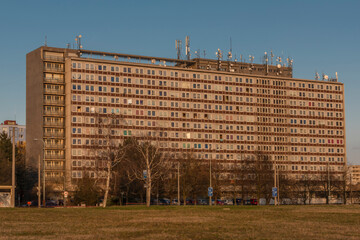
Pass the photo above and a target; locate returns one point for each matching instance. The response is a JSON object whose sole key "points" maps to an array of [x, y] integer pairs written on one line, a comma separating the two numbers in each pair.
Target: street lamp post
{"points": [[44, 197], [210, 200], [13, 170]]}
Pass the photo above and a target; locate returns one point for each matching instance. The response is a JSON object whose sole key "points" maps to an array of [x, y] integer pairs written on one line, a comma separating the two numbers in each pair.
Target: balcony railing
{"points": [[54, 102], [54, 156], [51, 134], [54, 124], [53, 80], [53, 145], [54, 58], [54, 167], [55, 179], [54, 69], [53, 91], [54, 113]]}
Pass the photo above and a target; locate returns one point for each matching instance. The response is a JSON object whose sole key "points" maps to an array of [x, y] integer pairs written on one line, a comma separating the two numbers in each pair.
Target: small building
{"points": [[20, 130], [355, 174]]}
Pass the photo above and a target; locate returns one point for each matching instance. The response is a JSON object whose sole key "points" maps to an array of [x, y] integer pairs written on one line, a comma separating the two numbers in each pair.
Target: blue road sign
{"points": [[274, 191], [145, 174], [210, 191]]}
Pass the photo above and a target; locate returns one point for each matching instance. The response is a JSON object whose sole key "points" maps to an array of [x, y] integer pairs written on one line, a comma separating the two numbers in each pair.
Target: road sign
{"points": [[145, 174], [66, 194], [274, 191], [210, 191]]}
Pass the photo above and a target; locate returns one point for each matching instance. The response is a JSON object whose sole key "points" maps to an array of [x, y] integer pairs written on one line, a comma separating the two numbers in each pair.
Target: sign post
{"points": [[274, 191], [210, 194]]}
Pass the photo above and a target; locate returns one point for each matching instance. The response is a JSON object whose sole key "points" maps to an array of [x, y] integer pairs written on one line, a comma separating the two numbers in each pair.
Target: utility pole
{"points": [[210, 201], [44, 197], [278, 185], [179, 183], [275, 198], [13, 170], [328, 175], [351, 200], [39, 182]]}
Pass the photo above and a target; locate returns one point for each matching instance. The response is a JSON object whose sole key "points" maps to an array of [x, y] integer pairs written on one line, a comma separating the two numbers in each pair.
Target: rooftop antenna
{"points": [[230, 51], [266, 58], [271, 56], [291, 62], [219, 57], [251, 58], [178, 48], [266, 62], [204, 53], [78, 41], [45, 41], [325, 77], [197, 53], [68, 45], [317, 76], [187, 49]]}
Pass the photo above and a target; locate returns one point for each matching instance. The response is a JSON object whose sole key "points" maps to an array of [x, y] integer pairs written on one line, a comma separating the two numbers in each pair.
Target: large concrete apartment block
{"points": [[225, 111]]}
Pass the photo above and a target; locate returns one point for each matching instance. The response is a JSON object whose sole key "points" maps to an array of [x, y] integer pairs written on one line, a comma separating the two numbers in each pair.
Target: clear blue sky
{"points": [[319, 35]]}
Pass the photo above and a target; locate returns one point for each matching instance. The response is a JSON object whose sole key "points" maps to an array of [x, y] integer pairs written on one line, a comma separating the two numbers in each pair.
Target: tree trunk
{"points": [[107, 184], [148, 192]]}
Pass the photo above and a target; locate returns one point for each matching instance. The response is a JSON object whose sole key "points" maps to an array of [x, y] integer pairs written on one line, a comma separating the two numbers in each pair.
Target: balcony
{"points": [[54, 58], [54, 102], [53, 124], [54, 91], [54, 69], [55, 179], [52, 134], [54, 80], [53, 113], [54, 156], [54, 146], [54, 167]]}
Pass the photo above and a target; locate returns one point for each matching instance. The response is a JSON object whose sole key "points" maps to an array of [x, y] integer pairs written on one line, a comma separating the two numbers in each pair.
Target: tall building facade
{"points": [[220, 110], [20, 130]]}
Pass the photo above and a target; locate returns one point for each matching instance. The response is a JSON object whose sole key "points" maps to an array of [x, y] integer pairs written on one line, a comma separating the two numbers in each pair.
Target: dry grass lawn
{"points": [[190, 222]]}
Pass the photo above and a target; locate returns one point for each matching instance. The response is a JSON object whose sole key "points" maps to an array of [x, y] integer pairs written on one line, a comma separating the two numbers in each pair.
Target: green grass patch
{"points": [[182, 222]]}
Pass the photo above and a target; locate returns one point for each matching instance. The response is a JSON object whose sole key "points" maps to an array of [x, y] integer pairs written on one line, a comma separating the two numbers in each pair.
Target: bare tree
{"points": [[147, 162], [108, 149], [305, 188], [194, 177], [263, 175], [328, 183]]}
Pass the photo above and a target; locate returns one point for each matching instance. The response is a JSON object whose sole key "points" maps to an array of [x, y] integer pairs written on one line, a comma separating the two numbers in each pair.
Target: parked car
{"points": [[174, 202], [239, 201], [164, 201], [252, 201], [228, 202], [203, 202], [51, 203], [219, 202]]}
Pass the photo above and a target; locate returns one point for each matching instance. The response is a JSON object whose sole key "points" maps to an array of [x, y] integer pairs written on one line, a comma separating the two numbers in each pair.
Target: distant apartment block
{"points": [[20, 130], [220, 110], [355, 174]]}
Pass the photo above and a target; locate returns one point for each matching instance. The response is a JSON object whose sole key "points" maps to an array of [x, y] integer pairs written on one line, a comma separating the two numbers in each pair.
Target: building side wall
{"points": [[34, 103]]}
